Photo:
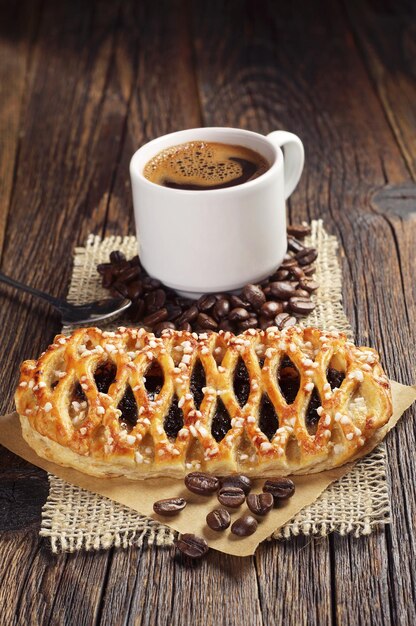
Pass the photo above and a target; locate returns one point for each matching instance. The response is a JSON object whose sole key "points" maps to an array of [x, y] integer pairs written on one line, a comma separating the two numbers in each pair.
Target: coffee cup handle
{"points": [[293, 155]]}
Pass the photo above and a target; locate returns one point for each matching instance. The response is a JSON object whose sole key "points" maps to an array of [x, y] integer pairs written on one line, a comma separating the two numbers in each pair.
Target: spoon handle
{"points": [[35, 292]]}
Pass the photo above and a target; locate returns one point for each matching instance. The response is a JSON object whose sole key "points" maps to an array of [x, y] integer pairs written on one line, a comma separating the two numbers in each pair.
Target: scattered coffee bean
{"points": [[156, 317], [254, 295], [232, 497], [237, 480], [117, 257], [260, 503], [205, 303], [207, 322], [130, 273], [299, 230], [185, 326], [189, 315], [294, 245], [238, 314], [250, 322], [237, 302], [244, 526], [282, 290], [280, 488], [308, 270], [192, 546], [119, 289], [280, 275], [271, 309], [306, 256], [309, 284], [218, 519], [202, 484], [301, 305], [226, 326], [284, 320], [221, 308], [288, 262], [159, 328], [297, 272], [169, 506]]}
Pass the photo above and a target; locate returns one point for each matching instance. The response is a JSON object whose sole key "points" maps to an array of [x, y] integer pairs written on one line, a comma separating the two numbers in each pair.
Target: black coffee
{"points": [[203, 165]]}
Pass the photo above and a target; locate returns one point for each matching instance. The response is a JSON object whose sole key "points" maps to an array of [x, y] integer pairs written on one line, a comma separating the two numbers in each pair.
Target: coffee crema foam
{"points": [[200, 165]]}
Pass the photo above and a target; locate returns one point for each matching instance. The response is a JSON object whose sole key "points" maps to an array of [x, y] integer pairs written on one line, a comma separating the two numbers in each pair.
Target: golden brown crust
{"points": [[88, 434]]}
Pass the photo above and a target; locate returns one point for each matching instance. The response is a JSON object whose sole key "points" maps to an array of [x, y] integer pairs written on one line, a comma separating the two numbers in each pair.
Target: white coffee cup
{"points": [[220, 239]]}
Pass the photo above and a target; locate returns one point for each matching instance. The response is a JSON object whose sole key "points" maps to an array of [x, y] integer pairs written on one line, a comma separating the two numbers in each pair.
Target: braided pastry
{"points": [[261, 403]]}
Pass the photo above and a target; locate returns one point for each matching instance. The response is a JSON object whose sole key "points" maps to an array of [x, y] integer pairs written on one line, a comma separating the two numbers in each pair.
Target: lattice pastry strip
{"points": [[262, 403]]}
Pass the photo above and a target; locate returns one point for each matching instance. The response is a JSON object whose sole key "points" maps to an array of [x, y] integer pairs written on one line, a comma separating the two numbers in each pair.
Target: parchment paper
{"points": [[140, 495]]}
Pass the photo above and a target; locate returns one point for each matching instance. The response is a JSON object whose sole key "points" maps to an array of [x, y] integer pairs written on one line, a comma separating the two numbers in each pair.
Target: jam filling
{"points": [[104, 376], [288, 379], [312, 417], [221, 422], [334, 377], [197, 382], [268, 422], [128, 408], [154, 380], [174, 420], [241, 382]]}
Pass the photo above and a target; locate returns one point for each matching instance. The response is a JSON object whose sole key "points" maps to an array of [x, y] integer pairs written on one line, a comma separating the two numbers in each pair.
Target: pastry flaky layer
{"points": [[263, 403]]}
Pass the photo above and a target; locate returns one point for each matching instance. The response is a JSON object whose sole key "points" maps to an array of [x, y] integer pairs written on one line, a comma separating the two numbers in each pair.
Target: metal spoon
{"points": [[76, 313]]}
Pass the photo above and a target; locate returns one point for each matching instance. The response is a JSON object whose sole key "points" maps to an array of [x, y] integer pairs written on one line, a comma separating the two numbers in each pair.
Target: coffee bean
{"points": [[260, 503], [155, 300], [205, 303], [218, 519], [288, 262], [135, 261], [284, 320], [267, 291], [130, 273], [202, 484], [280, 488], [237, 302], [232, 497], [102, 268], [156, 317], [159, 328], [302, 306], [117, 257], [151, 283], [282, 290], [294, 245], [226, 326], [271, 309], [238, 314], [185, 326], [306, 256], [107, 278], [254, 295], [308, 284], [221, 308], [280, 275], [119, 289], [251, 322], [174, 311], [169, 506], [301, 293], [237, 480], [206, 322], [296, 272], [135, 290], [264, 322], [136, 311], [244, 526], [189, 315], [299, 230], [192, 546], [309, 270]]}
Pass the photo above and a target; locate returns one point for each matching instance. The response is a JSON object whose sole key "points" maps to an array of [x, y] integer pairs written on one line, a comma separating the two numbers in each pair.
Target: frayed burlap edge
{"points": [[74, 519]]}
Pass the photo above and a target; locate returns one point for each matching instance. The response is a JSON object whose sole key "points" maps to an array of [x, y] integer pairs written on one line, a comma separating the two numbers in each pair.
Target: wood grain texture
{"points": [[91, 82]]}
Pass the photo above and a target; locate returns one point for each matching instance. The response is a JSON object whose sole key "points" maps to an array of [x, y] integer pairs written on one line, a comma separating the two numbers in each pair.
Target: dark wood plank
{"points": [[279, 75], [386, 38], [17, 28]]}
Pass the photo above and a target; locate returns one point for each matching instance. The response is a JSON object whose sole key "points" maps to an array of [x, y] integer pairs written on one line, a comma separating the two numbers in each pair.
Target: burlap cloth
{"points": [[74, 519]]}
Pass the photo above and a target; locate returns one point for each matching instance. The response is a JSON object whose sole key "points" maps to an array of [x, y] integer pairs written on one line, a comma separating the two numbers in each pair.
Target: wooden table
{"points": [[82, 85]]}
